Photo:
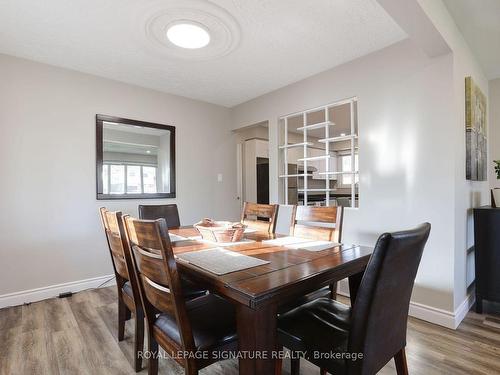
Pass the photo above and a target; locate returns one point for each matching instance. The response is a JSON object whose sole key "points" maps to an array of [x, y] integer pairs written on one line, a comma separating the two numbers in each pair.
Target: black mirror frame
{"points": [[99, 158]]}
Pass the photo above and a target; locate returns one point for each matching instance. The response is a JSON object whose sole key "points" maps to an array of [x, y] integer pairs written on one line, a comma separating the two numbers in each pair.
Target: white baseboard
{"points": [[464, 308], [434, 315], [38, 294]]}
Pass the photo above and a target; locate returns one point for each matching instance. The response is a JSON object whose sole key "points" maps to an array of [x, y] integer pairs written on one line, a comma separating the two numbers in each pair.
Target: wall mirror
{"points": [[134, 159]]}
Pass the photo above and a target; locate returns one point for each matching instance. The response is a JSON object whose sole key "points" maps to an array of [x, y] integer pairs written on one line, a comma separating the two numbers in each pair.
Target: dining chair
{"points": [[261, 217], [169, 212], [375, 326], [129, 300], [319, 224], [195, 333]]}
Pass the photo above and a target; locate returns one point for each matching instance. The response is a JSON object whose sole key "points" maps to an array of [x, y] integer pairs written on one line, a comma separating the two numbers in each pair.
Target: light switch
{"points": [[219, 177]]}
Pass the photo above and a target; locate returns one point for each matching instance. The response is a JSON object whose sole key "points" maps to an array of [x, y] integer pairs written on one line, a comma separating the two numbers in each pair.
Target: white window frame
{"points": [[341, 169], [283, 121], [108, 182]]}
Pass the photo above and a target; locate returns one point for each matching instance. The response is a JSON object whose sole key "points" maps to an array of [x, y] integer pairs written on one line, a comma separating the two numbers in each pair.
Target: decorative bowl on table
{"points": [[220, 231]]}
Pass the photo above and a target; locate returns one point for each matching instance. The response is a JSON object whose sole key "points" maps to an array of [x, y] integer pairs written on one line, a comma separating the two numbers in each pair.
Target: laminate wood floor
{"points": [[77, 335]]}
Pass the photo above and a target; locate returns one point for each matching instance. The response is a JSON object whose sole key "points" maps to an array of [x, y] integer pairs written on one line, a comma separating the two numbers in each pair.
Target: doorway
{"points": [[253, 163]]}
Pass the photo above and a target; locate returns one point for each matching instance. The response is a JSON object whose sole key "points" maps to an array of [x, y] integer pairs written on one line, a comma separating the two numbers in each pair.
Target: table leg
{"points": [[256, 339], [354, 282]]}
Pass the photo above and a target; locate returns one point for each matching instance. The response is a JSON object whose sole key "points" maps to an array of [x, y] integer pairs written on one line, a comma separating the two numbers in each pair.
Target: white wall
{"points": [[468, 194], [49, 224], [494, 128], [405, 120]]}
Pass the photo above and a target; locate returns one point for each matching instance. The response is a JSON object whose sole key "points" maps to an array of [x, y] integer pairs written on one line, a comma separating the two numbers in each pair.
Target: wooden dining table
{"points": [[258, 292]]}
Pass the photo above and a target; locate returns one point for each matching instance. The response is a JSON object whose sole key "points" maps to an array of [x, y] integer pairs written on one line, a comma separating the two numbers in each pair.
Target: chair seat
{"points": [[212, 320], [190, 290], [320, 293], [320, 326]]}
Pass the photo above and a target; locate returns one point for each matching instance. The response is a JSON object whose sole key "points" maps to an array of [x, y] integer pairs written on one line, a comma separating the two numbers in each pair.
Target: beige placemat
{"points": [[315, 245], [285, 241], [222, 244], [220, 261], [176, 238]]}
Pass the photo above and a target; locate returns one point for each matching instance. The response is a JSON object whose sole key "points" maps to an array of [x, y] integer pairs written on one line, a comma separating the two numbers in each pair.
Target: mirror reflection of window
{"points": [[149, 179], [117, 179], [105, 179], [136, 159]]}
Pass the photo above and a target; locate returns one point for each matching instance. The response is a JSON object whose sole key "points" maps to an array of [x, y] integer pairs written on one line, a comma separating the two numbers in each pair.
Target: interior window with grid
{"points": [[319, 156]]}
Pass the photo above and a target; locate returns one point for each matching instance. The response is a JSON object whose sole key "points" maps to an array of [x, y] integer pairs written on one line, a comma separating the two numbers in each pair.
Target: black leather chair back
{"points": [[168, 212], [380, 311]]}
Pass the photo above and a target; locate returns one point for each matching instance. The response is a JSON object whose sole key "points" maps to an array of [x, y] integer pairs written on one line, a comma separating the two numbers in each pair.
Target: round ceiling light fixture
{"points": [[195, 30], [186, 34]]}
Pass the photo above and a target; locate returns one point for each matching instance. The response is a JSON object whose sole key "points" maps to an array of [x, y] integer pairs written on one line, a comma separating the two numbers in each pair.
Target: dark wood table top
{"points": [[258, 292], [290, 273]]}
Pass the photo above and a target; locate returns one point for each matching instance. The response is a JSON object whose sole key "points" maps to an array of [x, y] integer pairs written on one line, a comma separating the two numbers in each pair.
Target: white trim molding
{"points": [[444, 318], [38, 294], [434, 315], [464, 308]]}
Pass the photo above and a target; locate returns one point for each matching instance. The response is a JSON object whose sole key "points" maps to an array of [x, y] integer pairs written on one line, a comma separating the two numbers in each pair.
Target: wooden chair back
{"points": [[156, 271], [380, 311], [169, 212], [318, 223], [115, 235], [254, 213]]}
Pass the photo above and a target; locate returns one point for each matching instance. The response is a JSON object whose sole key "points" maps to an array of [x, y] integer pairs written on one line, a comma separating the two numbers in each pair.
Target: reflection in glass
{"points": [[134, 185], [149, 179], [136, 159], [117, 179], [105, 178]]}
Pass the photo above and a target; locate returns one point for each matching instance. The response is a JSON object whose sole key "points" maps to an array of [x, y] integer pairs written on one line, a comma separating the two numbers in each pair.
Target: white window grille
{"points": [[319, 144]]}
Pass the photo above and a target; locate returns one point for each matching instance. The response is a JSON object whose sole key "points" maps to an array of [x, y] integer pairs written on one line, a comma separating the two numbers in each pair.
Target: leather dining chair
{"points": [[169, 212], [128, 292], [375, 326], [253, 214], [196, 332]]}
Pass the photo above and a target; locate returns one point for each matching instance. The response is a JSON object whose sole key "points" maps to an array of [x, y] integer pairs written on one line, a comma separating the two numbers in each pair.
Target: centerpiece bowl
{"points": [[220, 231]]}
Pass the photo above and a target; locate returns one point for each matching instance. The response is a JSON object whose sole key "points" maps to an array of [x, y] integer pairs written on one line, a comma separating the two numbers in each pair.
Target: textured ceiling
{"points": [[479, 22], [279, 42]]}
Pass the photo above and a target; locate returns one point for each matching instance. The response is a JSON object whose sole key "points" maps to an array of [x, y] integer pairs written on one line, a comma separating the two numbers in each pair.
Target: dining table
{"points": [[258, 292]]}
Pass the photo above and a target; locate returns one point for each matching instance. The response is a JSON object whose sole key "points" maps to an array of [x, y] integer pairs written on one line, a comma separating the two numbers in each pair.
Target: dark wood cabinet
{"points": [[487, 254]]}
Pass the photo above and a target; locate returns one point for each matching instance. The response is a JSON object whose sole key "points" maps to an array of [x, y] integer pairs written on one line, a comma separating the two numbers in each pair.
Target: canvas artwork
{"points": [[475, 130]]}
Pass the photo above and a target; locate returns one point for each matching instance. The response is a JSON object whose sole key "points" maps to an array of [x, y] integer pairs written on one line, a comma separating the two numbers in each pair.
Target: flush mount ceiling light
{"points": [[196, 30], [189, 35]]}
